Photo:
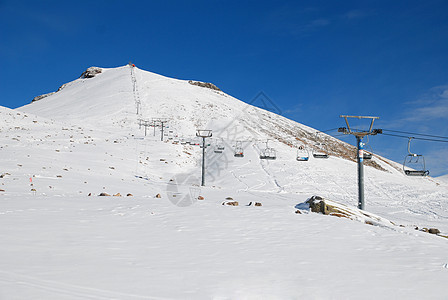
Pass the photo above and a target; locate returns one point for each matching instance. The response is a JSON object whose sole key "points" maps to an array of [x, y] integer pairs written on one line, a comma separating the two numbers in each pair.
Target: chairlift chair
{"points": [[368, 152], [268, 153], [219, 148], [302, 154], [414, 164], [239, 149], [319, 151]]}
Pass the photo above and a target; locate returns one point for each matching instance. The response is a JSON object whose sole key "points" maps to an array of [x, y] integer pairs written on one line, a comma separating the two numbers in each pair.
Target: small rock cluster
{"points": [[204, 84], [116, 195], [320, 205], [431, 231]]}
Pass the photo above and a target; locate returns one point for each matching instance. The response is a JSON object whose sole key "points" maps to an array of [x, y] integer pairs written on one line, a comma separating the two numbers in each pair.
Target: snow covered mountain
{"points": [[89, 138]]}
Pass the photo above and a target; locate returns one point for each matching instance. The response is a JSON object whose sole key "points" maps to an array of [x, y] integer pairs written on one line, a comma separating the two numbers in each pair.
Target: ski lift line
{"points": [[338, 135], [413, 133], [329, 130], [416, 138]]}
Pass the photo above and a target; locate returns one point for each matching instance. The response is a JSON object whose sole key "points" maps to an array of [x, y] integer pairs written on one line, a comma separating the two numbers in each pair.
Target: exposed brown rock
{"points": [[104, 194], [158, 196], [434, 231], [230, 203], [40, 97], [205, 85], [341, 215], [91, 72]]}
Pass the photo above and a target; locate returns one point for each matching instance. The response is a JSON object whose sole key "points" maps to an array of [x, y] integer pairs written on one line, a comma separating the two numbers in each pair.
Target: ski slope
{"points": [[60, 240]]}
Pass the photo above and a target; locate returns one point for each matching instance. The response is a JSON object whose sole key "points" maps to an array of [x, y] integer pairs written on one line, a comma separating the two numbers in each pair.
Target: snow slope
{"points": [[60, 243]]}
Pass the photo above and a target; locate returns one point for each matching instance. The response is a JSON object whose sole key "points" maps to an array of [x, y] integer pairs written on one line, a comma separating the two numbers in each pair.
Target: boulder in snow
{"points": [[230, 203], [91, 72], [434, 231]]}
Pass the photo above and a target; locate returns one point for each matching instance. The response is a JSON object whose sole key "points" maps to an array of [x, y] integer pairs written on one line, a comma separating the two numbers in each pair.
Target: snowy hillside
{"points": [[63, 241]]}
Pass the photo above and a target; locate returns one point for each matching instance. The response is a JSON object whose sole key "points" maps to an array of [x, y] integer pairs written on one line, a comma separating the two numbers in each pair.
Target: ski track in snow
{"points": [[59, 289]]}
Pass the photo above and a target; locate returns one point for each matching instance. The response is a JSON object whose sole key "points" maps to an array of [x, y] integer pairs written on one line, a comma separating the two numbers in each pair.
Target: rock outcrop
{"points": [[40, 97], [91, 72], [204, 84]]}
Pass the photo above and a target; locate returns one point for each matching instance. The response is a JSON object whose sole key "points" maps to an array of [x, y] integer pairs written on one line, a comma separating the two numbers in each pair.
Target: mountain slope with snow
{"points": [[86, 139]]}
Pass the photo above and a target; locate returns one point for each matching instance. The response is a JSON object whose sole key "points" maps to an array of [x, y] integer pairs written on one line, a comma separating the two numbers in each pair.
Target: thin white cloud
{"points": [[354, 14], [436, 161], [432, 106], [294, 110], [302, 21]]}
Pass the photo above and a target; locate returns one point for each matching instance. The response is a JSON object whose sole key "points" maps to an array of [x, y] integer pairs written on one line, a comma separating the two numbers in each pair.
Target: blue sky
{"points": [[314, 59]]}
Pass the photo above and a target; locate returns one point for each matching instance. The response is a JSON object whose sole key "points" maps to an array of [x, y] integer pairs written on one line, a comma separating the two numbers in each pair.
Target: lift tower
{"points": [[203, 133], [360, 134], [161, 123]]}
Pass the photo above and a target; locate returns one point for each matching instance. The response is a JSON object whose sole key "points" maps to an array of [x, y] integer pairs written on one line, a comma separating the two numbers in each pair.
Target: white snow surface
{"points": [[60, 243], [443, 178]]}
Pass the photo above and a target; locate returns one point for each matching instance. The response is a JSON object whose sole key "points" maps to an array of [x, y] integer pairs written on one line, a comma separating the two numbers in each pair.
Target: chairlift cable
{"points": [[416, 138], [413, 133], [328, 130], [338, 135]]}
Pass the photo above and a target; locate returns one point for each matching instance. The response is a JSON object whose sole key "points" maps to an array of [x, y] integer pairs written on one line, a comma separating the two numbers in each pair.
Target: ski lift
{"points": [[302, 154], [414, 164], [239, 149], [219, 148], [367, 154], [320, 149], [319, 152], [268, 153]]}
